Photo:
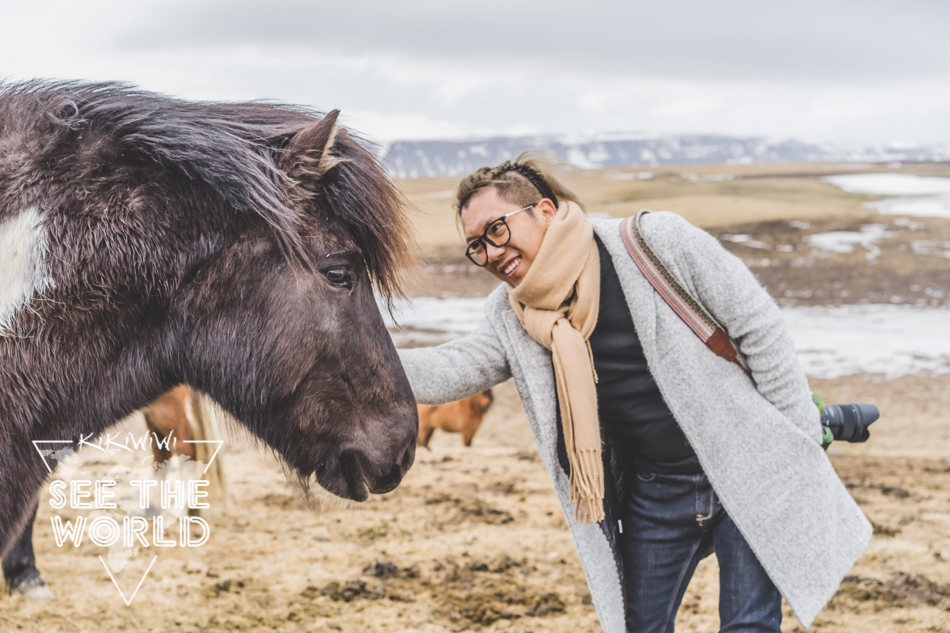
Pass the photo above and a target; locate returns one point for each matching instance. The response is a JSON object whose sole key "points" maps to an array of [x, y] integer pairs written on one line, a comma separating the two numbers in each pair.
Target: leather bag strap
{"points": [[663, 281]]}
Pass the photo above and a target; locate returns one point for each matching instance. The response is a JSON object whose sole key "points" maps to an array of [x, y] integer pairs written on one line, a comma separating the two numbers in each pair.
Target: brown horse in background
{"points": [[182, 415], [462, 416]]}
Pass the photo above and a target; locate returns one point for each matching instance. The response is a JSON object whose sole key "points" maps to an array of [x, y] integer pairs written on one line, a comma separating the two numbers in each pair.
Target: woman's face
{"points": [[510, 262]]}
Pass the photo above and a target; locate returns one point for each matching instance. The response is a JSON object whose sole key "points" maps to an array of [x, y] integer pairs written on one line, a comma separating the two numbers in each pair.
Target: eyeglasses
{"points": [[497, 234]]}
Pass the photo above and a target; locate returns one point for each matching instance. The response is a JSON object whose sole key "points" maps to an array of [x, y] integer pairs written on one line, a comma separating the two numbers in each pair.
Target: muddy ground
{"points": [[473, 540]]}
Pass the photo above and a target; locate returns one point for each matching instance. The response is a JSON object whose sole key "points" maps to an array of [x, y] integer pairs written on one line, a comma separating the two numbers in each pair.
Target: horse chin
{"points": [[350, 489], [356, 491], [336, 492]]}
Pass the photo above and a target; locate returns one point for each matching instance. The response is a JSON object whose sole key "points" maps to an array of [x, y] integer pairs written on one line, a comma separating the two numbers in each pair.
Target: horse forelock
{"points": [[373, 211]]}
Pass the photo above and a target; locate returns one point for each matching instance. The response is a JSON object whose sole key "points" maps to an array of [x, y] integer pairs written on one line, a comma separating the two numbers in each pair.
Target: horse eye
{"points": [[339, 277]]}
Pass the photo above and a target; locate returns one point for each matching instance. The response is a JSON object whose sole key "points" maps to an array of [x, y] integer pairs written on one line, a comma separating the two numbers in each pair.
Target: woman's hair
{"points": [[519, 181]]}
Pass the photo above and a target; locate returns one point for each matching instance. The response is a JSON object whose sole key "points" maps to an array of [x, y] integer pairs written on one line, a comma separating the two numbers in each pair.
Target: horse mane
{"points": [[230, 148]]}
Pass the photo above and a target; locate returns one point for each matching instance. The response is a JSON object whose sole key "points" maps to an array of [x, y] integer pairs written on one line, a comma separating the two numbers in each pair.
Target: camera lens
{"points": [[850, 422]]}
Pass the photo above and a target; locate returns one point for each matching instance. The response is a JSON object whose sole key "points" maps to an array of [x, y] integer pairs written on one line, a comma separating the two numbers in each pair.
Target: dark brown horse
{"points": [[147, 242]]}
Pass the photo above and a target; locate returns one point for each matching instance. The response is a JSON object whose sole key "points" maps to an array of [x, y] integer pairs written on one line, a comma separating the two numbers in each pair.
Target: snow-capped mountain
{"points": [[414, 159]]}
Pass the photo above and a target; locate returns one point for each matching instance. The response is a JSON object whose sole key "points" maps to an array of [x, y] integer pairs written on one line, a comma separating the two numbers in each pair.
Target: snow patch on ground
{"points": [[913, 195], [744, 239], [456, 315], [924, 206], [845, 241], [879, 339], [890, 184], [935, 248]]}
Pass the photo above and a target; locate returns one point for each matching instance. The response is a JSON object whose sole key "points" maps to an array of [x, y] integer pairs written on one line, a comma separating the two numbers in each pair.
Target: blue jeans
{"points": [[669, 523]]}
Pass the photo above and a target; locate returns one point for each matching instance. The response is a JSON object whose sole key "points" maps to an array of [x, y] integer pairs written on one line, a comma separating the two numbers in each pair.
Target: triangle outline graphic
{"points": [[128, 602], [42, 456], [220, 443]]}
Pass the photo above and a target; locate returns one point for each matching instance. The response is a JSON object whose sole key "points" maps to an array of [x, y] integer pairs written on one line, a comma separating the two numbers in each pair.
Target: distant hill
{"points": [[415, 159]]}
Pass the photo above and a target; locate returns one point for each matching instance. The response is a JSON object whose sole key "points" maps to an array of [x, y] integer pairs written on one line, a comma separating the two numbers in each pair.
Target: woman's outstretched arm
{"points": [[457, 369]]}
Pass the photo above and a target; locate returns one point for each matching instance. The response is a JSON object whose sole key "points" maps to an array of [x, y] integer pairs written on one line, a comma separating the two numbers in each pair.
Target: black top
{"points": [[629, 402]]}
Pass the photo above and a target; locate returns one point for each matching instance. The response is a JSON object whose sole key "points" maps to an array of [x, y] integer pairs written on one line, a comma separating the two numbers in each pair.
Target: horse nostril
{"points": [[350, 467]]}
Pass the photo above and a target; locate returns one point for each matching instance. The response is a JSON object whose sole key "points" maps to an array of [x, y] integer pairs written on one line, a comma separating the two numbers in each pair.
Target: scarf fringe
{"points": [[590, 353], [587, 486]]}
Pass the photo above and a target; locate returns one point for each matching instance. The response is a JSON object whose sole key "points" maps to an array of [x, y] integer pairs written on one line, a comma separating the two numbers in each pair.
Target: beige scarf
{"points": [[557, 303]]}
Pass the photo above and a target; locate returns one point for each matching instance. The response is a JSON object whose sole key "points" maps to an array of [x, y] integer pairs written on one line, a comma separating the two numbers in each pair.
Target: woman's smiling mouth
{"points": [[512, 265]]}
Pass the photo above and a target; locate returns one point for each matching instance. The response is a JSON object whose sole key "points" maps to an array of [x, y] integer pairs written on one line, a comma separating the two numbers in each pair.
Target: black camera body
{"points": [[845, 422]]}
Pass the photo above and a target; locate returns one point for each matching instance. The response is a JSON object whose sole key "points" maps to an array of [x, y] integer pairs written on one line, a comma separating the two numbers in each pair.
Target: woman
{"points": [[670, 449]]}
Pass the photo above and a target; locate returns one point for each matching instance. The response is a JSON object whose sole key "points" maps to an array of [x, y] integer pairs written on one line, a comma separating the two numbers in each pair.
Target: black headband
{"points": [[533, 177]]}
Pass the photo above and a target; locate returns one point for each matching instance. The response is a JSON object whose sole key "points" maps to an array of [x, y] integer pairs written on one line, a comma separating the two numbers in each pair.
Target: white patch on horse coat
{"points": [[23, 273]]}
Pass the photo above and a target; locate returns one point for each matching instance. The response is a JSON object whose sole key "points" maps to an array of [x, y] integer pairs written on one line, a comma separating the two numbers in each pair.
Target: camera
{"points": [[845, 422]]}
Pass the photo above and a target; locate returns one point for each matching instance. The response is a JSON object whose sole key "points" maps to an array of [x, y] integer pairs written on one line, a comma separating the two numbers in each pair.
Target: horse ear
{"points": [[309, 153]]}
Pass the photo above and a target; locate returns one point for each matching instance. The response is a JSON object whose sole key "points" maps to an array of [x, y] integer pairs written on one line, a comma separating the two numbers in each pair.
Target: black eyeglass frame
{"points": [[484, 236]]}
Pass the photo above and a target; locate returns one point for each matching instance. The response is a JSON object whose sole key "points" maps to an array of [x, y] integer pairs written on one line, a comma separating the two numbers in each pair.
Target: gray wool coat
{"points": [[759, 444]]}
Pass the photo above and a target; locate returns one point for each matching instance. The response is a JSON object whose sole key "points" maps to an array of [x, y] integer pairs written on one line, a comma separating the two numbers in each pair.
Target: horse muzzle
{"points": [[359, 471]]}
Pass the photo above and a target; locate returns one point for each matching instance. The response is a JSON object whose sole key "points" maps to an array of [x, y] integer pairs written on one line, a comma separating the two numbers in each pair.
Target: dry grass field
{"points": [[473, 540], [777, 205], [706, 195]]}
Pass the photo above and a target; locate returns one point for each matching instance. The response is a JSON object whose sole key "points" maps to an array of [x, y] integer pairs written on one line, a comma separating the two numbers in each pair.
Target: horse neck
{"points": [[48, 392]]}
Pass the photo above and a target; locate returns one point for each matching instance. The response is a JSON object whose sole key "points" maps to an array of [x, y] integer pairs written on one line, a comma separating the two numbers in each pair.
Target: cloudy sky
{"points": [[862, 70]]}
